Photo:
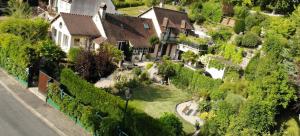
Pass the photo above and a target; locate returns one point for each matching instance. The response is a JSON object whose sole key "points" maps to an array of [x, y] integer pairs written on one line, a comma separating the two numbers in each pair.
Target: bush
{"points": [[73, 54], [32, 30], [250, 40], [173, 123], [254, 20], [137, 71], [256, 30], [239, 26], [212, 11], [193, 81], [221, 34], [204, 106], [149, 65], [150, 3], [128, 4], [241, 12]]}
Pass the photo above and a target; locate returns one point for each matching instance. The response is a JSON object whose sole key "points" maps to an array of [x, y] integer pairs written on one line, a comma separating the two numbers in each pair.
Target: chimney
{"points": [[102, 10], [162, 4]]}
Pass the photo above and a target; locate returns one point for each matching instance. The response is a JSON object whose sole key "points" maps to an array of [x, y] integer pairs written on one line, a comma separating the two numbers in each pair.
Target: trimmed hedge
{"points": [[128, 4], [85, 103], [15, 55], [193, 81]]}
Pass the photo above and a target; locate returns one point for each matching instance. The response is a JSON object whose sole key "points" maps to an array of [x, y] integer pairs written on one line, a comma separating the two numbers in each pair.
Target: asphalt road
{"points": [[16, 120]]}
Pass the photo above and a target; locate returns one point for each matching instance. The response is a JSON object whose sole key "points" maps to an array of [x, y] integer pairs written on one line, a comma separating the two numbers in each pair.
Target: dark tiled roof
{"points": [[175, 18], [80, 25], [125, 28]]}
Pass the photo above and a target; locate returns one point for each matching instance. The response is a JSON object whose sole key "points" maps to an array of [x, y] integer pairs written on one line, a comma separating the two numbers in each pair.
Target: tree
{"points": [[166, 69], [19, 9], [150, 3], [51, 56], [84, 65], [239, 26], [212, 11], [172, 123], [73, 53], [190, 57]]}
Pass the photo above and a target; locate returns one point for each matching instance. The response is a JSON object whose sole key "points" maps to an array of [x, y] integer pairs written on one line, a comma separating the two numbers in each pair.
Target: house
{"points": [[129, 34], [71, 30], [80, 7], [168, 25]]}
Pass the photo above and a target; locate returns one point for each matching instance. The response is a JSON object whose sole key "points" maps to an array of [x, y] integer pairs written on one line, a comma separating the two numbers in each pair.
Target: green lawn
{"points": [[135, 11], [157, 99]]}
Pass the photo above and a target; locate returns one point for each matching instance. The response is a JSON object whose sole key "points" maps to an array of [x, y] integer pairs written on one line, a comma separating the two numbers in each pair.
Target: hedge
{"points": [[193, 81], [15, 55], [128, 4], [85, 102]]}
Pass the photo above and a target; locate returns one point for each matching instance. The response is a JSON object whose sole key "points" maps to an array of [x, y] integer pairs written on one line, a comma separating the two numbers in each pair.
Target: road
{"points": [[16, 120]]}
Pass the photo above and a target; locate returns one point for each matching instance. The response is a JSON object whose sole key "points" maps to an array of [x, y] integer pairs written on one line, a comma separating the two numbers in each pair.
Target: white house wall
{"points": [[63, 6], [64, 30], [99, 25], [151, 15], [215, 73]]}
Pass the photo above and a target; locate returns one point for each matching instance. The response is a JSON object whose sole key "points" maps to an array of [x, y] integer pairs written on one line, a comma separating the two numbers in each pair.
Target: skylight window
{"points": [[146, 26]]}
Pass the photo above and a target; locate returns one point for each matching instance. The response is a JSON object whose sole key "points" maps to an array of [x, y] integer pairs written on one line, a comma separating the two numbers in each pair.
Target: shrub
{"points": [[193, 81], [73, 54], [204, 106], [173, 123], [221, 34], [126, 4], [238, 40], [137, 71], [254, 20], [239, 26], [241, 12], [150, 3], [250, 40], [212, 11], [149, 65], [144, 76], [256, 30], [31, 30]]}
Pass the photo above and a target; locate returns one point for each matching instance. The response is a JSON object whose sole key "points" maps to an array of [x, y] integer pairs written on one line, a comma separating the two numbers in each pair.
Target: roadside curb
{"points": [[30, 108]]}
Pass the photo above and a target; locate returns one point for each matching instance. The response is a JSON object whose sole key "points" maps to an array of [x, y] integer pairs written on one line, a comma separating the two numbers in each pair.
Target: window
{"points": [[65, 40], [146, 26], [54, 31], [76, 42], [59, 38]]}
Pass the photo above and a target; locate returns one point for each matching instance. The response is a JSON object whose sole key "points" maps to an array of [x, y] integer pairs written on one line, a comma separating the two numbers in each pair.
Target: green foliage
{"points": [[283, 26], [254, 20], [19, 9], [16, 55], [172, 123], [126, 4], [195, 12], [154, 40], [192, 81], [204, 106], [190, 56], [149, 65], [221, 34], [239, 26], [231, 52], [73, 54], [166, 69], [32, 30], [241, 12], [51, 55], [191, 40], [137, 71], [216, 63], [250, 40], [150, 3], [212, 11]]}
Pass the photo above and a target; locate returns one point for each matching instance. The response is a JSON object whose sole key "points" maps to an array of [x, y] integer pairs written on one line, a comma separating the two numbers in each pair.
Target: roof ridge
{"points": [[75, 14], [122, 15], [169, 9]]}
